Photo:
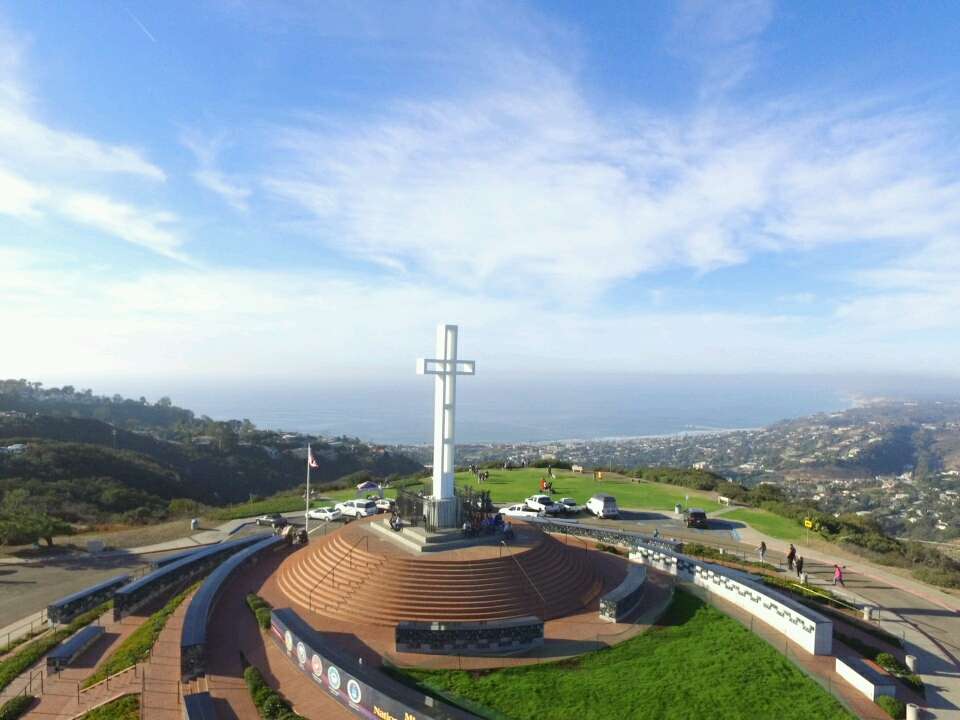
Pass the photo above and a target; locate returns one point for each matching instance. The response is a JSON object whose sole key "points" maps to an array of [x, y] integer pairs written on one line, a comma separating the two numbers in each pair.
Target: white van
{"points": [[357, 508], [603, 506]]}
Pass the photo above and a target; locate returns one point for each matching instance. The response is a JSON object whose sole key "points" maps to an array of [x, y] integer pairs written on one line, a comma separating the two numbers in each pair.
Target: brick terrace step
{"points": [[340, 577]]}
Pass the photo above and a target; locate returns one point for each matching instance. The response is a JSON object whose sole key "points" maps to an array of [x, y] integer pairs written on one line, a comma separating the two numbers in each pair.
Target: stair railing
{"points": [[543, 602], [332, 571]]}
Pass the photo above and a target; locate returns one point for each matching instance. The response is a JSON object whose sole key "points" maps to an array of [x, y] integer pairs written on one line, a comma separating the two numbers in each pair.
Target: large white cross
{"points": [[446, 367]]}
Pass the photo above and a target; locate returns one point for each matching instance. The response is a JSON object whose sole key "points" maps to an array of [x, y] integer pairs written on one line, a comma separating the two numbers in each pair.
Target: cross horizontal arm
{"points": [[432, 366]]}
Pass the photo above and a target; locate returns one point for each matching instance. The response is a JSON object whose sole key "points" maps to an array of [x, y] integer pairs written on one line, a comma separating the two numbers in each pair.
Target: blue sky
{"points": [[223, 188]]}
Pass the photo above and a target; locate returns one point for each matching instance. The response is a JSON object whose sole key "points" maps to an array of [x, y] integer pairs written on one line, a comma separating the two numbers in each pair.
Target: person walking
{"points": [[799, 565], [763, 551], [838, 575], [791, 556]]}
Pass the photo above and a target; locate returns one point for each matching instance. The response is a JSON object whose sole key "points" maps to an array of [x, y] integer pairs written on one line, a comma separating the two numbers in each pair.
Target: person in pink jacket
{"points": [[838, 575]]}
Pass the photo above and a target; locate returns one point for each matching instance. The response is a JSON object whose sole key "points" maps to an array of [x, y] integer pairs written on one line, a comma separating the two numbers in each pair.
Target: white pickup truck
{"points": [[544, 504]]}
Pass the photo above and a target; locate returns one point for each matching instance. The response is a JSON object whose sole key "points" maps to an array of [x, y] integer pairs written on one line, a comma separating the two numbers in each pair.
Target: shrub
{"points": [[261, 610], [612, 549], [270, 704], [15, 707], [126, 707], [893, 707], [900, 671]]}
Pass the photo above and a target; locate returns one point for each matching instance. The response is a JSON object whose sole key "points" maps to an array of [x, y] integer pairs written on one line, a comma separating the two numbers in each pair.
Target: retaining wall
{"points": [[808, 628]]}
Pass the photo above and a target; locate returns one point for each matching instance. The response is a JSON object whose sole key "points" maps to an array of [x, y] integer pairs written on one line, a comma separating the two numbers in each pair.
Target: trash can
{"points": [[913, 711], [194, 523], [678, 509], [868, 612], [912, 664]]}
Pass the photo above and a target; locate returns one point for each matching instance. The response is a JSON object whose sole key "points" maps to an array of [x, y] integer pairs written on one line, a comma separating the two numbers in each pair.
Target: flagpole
{"points": [[306, 513]]}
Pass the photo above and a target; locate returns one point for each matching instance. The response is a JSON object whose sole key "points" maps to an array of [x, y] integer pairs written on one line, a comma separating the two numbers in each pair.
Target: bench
{"points": [[620, 602], [70, 649], [869, 679], [67, 608]]}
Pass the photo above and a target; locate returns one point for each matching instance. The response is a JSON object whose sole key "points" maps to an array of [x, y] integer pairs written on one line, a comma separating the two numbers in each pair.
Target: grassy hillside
{"points": [[81, 469]]}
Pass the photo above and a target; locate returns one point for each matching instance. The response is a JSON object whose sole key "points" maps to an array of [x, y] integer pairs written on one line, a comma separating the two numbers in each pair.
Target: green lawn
{"points": [[697, 663], [514, 485], [768, 523], [508, 486]]}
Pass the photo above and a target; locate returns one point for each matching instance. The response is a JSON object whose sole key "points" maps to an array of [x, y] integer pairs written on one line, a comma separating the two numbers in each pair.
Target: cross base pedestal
{"points": [[442, 512]]}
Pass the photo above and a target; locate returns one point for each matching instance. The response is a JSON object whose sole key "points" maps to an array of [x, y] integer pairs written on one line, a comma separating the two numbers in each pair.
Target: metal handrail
{"points": [[347, 554], [807, 589], [543, 602]]}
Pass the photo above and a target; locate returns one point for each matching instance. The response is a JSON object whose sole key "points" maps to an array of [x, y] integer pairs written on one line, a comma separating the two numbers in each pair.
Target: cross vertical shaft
{"points": [[445, 366], [445, 393]]}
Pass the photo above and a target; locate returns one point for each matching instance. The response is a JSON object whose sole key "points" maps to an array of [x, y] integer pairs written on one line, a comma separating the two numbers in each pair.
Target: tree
{"points": [[21, 520]]}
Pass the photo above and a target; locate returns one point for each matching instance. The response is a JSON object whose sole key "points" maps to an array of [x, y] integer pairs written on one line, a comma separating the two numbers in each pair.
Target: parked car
{"points": [[603, 506], [272, 519], [386, 504], [328, 512], [697, 518], [544, 504], [520, 511], [568, 506], [357, 508]]}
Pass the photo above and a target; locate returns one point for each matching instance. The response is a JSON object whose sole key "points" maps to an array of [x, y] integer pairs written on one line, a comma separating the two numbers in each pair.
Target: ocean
{"points": [[503, 410]]}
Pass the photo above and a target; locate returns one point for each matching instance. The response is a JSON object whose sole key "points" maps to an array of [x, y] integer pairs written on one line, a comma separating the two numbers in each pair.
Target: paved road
{"points": [[28, 586]]}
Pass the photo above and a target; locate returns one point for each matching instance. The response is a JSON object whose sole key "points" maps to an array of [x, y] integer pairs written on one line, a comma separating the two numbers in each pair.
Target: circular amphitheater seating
{"points": [[385, 588]]}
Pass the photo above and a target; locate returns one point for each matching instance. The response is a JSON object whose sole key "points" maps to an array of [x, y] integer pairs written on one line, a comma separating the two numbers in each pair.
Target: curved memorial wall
{"points": [[193, 635], [500, 637], [178, 574], [365, 691]]}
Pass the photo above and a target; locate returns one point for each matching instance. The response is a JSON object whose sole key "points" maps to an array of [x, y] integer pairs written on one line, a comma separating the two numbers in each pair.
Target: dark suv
{"points": [[697, 518], [273, 519]]}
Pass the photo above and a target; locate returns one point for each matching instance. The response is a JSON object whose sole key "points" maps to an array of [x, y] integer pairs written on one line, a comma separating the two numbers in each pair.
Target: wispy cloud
{"points": [[151, 230], [508, 185], [46, 171], [209, 176], [720, 38], [19, 197]]}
